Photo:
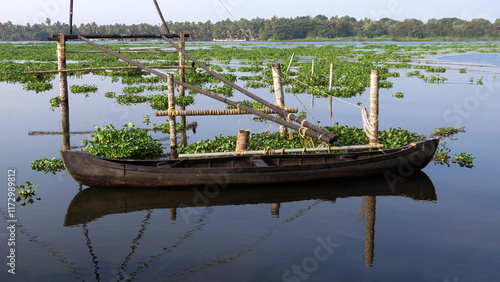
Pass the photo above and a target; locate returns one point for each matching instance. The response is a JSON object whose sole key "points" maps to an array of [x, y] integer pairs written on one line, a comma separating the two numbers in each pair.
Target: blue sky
{"points": [[139, 11]]}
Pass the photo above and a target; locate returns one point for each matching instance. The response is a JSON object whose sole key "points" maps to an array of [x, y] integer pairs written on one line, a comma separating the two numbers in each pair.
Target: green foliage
{"points": [[159, 102], [55, 102], [398, 95], [127, 143], [27, 189], [128, 99], [463, 70], [48, 165], [248, 103], [110, 94], [37, 86], [447, 131], [464, 160], [85, 88], [184, 101], [165, 127]]}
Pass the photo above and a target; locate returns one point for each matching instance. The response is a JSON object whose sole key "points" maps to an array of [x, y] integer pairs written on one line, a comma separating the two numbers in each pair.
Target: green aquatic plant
{"points": [[55, 102], [126, 143], [464, 160], [398, 95], [48, 165], [85, 88]]}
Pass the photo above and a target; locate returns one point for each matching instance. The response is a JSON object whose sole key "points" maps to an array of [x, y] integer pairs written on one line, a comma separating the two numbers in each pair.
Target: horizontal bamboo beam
{"points": [[282, 151], [108, 68], [55, 37], [223, 112], [134, 52]]}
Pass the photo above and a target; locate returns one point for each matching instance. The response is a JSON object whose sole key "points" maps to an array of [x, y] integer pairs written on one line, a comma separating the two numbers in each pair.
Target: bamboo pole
{"points": [[171, 106], [65, 134], [312, 73], [374, 93], [330, 87], [242, 140], [329, 138], [289, 116], [370, 230], [161, 16], [182, 62], [61, 67], [70, 17], [132, 52], [55, 37], [104, 68], [278, 93], [282, 151], [222, 112], [290, 63]]}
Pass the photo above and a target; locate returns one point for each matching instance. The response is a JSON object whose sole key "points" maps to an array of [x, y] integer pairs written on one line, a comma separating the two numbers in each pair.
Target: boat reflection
{"points": [[95, 202]]}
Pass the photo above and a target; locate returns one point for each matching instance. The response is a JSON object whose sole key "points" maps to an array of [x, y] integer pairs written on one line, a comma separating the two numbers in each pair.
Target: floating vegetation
{"points": [[110, 94], [399, 95], [85, 88], [26, 193], [55, 102], [448, 131], [165, 127], [48, 165], [462, 70], [464, 160], [128, 99], [133, 89], [159, 102], [126, 143], [184, 101], [37, 86]]}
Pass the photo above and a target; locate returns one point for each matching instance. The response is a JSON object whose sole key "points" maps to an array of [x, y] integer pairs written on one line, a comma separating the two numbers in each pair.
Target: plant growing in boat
{"points": [[126, 143]]}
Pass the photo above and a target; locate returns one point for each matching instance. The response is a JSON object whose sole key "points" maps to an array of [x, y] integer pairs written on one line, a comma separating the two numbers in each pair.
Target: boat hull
{"points": [[90, 170]]}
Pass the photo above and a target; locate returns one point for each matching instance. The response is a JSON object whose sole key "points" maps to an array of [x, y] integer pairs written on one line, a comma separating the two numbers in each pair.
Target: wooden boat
{"points": [[95, 202], [90, 170]]}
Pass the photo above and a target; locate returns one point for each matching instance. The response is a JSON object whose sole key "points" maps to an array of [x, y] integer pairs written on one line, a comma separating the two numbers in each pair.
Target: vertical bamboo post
{"points": [[330, 87], [173, 214], [242, 141], [61, 67], [290, 63], [278, 92], [65, 125], [374, 106], [370, 230], [275, 209], [312, 73], [182, 64], [71, 17], [171, 107]]}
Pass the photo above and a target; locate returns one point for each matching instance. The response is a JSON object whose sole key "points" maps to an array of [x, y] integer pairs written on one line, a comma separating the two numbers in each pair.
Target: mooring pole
{"points": [[161, 17], [70, 17], [61, 67], [312, 73], [330, 87], [171, 107], [242, 141], [65, 126], [182, 63], [374, 106], [290, 63], [370, 230], [278, 92]]}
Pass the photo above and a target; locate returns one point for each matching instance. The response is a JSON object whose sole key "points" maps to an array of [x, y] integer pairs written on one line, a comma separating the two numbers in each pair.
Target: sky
{"points": [[144, 11]]}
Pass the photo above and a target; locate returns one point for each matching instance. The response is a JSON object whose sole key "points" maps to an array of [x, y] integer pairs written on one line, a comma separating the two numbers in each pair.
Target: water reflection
{"points": [[94, 203]]}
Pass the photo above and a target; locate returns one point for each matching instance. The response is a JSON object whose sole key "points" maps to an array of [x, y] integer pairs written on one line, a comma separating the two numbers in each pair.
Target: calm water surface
{"points": [[439, 225]]}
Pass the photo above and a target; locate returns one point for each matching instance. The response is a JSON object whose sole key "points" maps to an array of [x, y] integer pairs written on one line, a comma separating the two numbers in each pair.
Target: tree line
{"points": [[319, 27]]}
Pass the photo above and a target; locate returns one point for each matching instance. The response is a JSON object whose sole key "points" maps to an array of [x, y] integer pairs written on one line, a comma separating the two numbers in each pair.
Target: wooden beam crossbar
{"points": [[221, 112], [107, 68], [55, 37]]}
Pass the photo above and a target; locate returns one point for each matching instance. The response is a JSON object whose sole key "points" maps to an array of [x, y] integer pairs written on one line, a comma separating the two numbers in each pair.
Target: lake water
{"points": [[439, 225]]}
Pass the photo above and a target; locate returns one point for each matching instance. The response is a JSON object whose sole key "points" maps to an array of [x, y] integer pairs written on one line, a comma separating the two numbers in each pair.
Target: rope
{"points": [[268, 151], [172, 112], [367, 126]]}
